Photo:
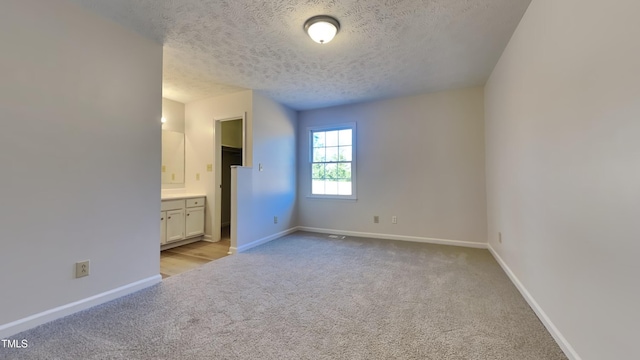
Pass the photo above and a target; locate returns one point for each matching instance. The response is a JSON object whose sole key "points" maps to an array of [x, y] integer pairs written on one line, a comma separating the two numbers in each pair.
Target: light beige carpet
{"points": [[306, 296]]}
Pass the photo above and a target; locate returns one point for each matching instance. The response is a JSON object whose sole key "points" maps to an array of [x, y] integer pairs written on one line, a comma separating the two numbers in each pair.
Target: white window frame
{"points": [[310, 130]]}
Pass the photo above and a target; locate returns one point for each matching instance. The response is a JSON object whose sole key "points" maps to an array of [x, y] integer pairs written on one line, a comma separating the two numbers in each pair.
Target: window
{"points": [[332, 158]]}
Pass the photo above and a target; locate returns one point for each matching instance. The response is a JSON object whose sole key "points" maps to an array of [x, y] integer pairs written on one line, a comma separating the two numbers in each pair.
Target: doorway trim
{"points": [[217, 156]]}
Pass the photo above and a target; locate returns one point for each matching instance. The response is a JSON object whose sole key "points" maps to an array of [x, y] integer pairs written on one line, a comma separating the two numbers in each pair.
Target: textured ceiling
{"points": [[385, 48]]}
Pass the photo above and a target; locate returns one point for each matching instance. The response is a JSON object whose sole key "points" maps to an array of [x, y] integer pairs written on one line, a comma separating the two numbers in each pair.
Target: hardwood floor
{"points": [[182, 258]]}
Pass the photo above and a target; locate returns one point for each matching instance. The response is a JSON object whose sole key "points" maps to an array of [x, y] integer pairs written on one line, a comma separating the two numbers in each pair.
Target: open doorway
{"points": [[229, 151], [231, 156]]}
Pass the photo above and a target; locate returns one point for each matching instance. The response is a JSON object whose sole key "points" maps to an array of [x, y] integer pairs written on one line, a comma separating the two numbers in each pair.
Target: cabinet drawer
{"points": [[172, 205], [195, 202]]}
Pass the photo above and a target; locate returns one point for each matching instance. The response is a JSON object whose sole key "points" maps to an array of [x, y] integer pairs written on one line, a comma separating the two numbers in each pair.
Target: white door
{"points": [[195, 221], [175, 225], [163, 227]]}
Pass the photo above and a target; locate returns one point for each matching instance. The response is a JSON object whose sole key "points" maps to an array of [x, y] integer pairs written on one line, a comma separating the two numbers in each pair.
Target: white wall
{"points": [[270, 131], [272, 191], [199, 131], [562, 129], [419, 158], [80, 104]]}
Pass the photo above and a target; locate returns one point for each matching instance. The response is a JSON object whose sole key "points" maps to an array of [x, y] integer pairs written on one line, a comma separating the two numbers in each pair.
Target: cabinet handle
{"points": [[188, 214], [161, 219], [196, 203], [169, 217]]}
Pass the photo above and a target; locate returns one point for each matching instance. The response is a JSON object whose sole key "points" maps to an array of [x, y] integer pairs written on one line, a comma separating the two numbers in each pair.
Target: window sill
{"points": [[332, 197]]}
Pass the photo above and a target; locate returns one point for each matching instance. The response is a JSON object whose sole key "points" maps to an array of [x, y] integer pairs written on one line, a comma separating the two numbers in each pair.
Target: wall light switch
{"points": [[209, 167], [198, 177], [164, 168], [260, 168]]}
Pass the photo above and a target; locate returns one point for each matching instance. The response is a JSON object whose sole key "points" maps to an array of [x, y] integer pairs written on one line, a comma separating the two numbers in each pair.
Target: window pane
{"points": [[345, 137], [345, 153], [317, 187], [317, 171], [331, 171], [332, 154], [318, 139], [319, 155], [331, 138], [344, 188], [331, 187], [344, 171]]}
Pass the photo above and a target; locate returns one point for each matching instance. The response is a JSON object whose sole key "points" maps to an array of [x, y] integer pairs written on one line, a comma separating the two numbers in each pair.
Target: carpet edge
{"points": [[20, 325], [426, 240], [566, 347], [263, 240]]}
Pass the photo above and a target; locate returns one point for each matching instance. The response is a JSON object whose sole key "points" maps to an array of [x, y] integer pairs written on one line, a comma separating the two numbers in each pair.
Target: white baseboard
{"points": [[470, 244], [553, 330], [32, 321], [263, 240], [208, 238]]}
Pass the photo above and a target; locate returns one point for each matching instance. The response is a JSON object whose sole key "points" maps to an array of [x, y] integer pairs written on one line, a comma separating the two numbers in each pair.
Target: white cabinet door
{"points": [[175, 225], [195, 221], [163, 227]]}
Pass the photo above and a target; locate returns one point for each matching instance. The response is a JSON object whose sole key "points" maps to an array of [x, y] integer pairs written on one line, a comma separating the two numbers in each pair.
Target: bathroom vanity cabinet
{"points": [[181, 219]]}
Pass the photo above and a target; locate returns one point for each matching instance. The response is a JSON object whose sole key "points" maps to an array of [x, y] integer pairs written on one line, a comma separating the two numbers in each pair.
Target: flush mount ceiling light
{"points": [[322, 28]]}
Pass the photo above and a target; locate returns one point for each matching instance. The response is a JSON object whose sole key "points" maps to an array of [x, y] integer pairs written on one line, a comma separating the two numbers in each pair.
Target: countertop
{"points": [[181, 196]]}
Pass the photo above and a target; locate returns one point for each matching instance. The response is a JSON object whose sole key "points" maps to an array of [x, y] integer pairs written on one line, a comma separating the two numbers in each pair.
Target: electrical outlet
{"points": [[209, 167], [376, 219], [500, 237], [260, 168], [82, 269], [394, 219], [275, 219]]}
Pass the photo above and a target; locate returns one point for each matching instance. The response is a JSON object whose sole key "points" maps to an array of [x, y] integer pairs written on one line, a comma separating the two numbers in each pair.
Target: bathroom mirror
{"points": [[172, 157]]}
